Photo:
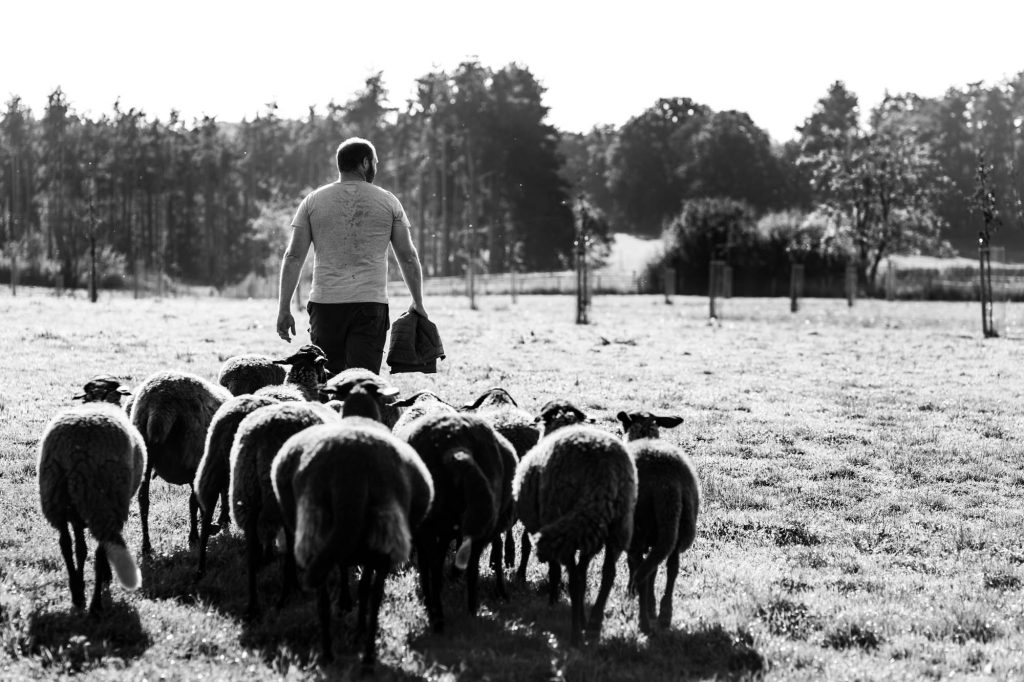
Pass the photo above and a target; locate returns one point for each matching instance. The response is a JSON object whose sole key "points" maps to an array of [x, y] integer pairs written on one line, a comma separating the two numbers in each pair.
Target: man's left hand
{"points": [[285, 323]]}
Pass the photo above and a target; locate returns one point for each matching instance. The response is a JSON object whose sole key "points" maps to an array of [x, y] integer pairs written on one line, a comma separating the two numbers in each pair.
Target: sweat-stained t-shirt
{"points": [[349, 224]]}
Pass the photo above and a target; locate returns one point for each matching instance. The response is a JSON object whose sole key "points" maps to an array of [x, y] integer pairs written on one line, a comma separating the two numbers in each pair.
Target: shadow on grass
{"points": [[525, 639], [72, 641], [223, 588]]}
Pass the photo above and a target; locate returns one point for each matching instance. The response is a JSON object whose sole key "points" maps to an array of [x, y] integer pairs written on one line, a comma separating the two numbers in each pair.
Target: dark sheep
{"points": [[248, 373], [576, 490], [254, 507], [307, 372], [501, 410], [384, 394], [668, 502], [172, 411], [214, 473], [353, 495], [472, 498], [91, 462]]}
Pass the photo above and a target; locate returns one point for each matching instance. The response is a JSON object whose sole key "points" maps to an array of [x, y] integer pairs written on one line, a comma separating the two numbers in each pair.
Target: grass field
{"points": [[862, 471]]}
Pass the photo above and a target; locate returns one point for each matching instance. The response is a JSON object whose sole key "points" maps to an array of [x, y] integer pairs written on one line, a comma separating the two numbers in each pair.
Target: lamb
{"points": [[91, 461], [172, 411], [668, 502], [259, 436], [308, 371], [576, 489], [353, 494], [248, 373], [214, 472], [418, 405], [499, 408], [472, 469]]}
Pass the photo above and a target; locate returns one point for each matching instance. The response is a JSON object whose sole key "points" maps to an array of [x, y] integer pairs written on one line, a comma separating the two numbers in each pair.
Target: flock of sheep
{"points": [[341, 472]]}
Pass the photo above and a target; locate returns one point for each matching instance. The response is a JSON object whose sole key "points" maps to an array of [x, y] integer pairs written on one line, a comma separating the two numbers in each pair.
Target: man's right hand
{"points": [[285, 323], [418, 307]]}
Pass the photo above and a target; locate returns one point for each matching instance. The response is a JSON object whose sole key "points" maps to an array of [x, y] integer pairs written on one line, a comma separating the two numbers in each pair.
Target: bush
{"points": [[760, 252]]}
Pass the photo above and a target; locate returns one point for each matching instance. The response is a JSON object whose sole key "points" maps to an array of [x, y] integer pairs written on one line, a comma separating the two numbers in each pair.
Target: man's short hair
{"points": [[352, 151]]}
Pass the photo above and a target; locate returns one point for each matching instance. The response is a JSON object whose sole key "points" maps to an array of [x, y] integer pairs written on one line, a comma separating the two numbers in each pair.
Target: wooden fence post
{"points": [[851, 284], [796, 286]]}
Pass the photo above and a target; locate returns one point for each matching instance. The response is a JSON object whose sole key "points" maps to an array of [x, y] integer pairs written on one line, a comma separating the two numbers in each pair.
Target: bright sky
{"points": [[601, 62]]}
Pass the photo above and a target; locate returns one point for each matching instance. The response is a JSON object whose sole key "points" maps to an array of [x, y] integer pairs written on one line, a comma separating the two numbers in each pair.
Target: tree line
{"points": [[485, 179]]}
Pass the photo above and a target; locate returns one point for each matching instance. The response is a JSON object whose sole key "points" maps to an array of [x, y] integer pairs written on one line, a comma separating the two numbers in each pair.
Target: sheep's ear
{"points": [[624, 418], [320, 360], [582, 415], [80, 396], [476, 403], [668, 421]]}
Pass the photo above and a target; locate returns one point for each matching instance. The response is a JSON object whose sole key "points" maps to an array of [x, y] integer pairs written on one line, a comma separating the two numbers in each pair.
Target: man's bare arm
{"points": [[409, 263], [291, 267]]}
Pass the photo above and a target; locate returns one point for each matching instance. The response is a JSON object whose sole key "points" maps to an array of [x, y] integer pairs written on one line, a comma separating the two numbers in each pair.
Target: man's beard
{"points": [[370, 174]]}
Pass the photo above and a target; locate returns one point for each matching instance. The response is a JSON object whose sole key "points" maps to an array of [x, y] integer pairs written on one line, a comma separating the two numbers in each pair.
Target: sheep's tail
{"points": [[328, 523], [158, 425], [480, 514], [583, 528], [123, 563], [668, 512], [389, 533]]}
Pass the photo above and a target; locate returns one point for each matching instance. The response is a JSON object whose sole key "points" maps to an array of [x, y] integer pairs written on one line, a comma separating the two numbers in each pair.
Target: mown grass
{"points": [[862, 474]]}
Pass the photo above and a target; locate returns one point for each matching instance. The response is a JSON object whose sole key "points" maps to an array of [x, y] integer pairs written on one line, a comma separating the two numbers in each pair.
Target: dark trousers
{"points": [[351, 334]]}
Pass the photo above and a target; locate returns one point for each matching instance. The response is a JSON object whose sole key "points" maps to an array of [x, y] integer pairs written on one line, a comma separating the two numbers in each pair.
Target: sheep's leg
{"points": [[607, 580], [376, 598], [323, 609], [224, 520], [577, 597], [254, 554], [473, 578], [81, 549], [365, 585], [103, 576], [147, 547], [524, 556], [425, 559], [633, 560], [433, 558], [193, 514], [647, 602], [510, 549], [75, 580], [671, 572], [498, 567], [554, 582], [289, 574], [205, 531]]}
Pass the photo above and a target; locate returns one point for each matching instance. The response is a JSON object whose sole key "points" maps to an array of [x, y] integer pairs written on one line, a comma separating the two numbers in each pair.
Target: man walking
{"points": [[350, 224]]}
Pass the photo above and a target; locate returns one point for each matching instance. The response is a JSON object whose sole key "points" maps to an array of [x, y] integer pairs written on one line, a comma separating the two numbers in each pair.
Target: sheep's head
{"points": [[558, 413], [492, 397], [365, 398], [309, 359], [637, 425], [102, 388]]}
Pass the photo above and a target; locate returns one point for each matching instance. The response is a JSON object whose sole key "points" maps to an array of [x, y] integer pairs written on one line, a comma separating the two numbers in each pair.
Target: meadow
{"points": [[863, 495]]}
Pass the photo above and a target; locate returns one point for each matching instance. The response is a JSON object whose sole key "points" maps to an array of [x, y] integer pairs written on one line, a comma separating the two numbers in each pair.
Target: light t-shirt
{"points": [[349, 224]]}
